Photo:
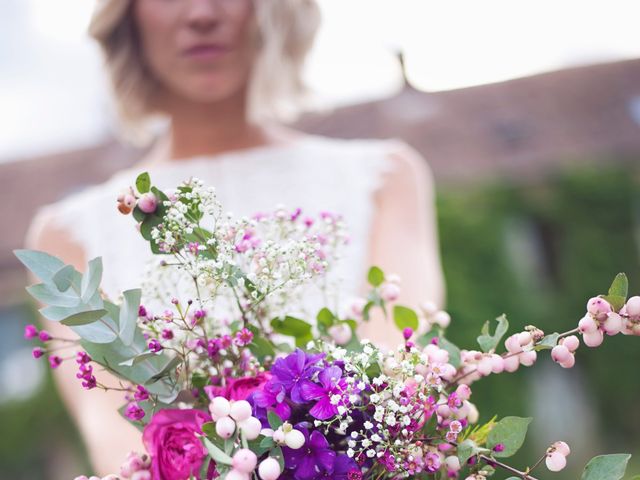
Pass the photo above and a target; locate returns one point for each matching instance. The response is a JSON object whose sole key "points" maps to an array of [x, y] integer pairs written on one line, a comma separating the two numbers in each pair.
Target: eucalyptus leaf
{"points": [[64, 278], [100, 332], [128, 319], [510, 432], [91, 279], [78, 315], [606, 467], [49, 295], [489, 342], [291, 326], [41, 264]]}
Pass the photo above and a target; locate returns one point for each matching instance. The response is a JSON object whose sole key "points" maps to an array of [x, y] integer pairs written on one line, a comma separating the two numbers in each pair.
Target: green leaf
{"points": [[274, 419], [375, 276], [511, 432], [91, 279], [405, 317], [606, 467], [217, 454], [100, 332], [618, 292], [267, 442], [454, 351], [466, 450], [143, 182], [261, 348], [325, 319], [489, 342], [549, 341], [291, 326], [41, 264], [49, 295], [78, 315], [64, 278], [277, 454], [129, 315], [138, 358]]}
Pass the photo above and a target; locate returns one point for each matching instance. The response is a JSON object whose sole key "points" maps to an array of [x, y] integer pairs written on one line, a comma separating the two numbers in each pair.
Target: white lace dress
{"points": [[315, 174]]}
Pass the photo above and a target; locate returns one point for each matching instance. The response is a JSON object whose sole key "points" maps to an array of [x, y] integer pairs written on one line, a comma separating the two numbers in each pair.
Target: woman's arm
{"points": [[107, 435], [404, 239]]}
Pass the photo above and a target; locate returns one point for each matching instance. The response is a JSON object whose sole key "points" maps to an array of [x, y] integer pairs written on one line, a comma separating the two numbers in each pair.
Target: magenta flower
{"points": [[134, 412], [170, 438], [30, 331], [238, 388], [331, 384]]}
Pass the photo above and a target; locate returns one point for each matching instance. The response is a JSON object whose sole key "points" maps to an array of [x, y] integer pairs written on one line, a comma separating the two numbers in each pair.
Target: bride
{"points": [[220, 72]]}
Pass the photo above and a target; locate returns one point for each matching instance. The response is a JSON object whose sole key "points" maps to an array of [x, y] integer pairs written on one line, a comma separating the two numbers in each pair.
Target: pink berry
{"points": [[485, 366], [442, 318], [148, 203], [512, 344], [587, 324], [463, 392], [598, 307], [569, 362], [389, 291], [245, 460], [593, 339], [562, 448], [556, 461], [269, 469], [341, 333], [220, 407], [613, 324], [560, 353], [141, 475], [225, 427], [237, 475], [571, 342], [240, 410], [512, 363], [251, 428], [497, 363], [633, 306], [294, 439], [528, 358], [524, 338]]}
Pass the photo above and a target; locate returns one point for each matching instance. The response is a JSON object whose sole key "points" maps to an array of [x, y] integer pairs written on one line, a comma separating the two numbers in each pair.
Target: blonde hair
{"points": [[286, 30]]}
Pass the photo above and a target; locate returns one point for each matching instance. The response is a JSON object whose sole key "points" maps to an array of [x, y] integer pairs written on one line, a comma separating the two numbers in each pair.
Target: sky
{"points": [[53, 95]]}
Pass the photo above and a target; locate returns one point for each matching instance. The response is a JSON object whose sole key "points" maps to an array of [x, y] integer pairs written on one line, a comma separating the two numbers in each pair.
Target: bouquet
{"points": [[227, 375]]}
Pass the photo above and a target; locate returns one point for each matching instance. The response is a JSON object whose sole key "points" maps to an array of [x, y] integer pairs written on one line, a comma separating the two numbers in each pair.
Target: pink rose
{"points": [[170, 438], [238, 388]]}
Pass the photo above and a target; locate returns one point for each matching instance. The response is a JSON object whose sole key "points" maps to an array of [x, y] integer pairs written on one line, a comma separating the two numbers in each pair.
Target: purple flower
{"points": [[134, 412], [293, 370], [30, 331], [344, 468], [141, 394], [155, 346], [331, 383], [314, 460]]}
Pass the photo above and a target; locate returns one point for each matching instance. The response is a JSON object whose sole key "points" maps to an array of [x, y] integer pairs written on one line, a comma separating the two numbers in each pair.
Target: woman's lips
{"points": [[206, 52]]}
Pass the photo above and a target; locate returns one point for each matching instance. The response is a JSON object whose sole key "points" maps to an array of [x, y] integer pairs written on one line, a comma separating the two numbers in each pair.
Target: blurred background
{"points": [[528, 113]]}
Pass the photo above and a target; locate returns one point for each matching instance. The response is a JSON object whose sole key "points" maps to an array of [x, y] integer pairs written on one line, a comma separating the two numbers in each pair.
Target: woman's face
{"points": [[201, 50]]}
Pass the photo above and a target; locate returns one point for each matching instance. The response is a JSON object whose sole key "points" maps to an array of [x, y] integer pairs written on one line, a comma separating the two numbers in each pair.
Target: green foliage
{"points": [[405, 317], [143, 182], [606, 467], [618, 291], [489, 342], [510, 432], [375, 276], [293, 327]]}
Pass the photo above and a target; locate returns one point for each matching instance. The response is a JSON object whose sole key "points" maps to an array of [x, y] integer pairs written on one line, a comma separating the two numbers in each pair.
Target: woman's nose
{"points": [[203, 14]]}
